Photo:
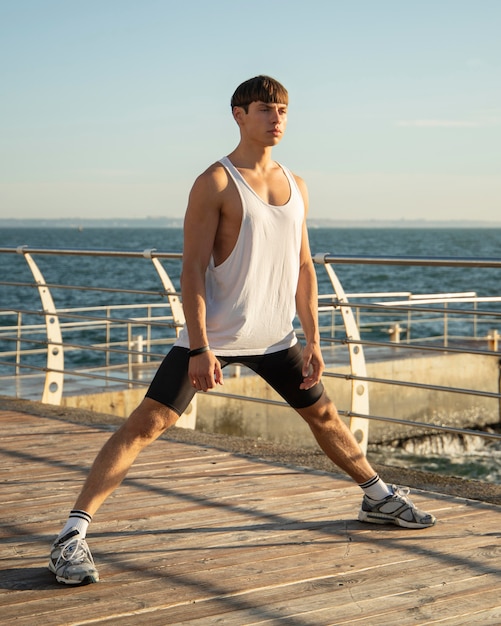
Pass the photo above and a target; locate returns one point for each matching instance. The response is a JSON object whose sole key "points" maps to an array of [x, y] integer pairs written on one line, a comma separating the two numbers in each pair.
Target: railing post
{"points": [[446, 326], [138, 345], [108, 337], [189, 417], [493, 340], [148, 333], [174, 301], [54, 377], [359, 389], [395, 331], [19, 338], [129, 355]]}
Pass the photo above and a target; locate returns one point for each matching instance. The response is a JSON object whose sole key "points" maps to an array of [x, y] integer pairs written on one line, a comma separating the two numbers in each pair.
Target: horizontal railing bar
{"points": [[101, 307], [24, 353], [78, 373], [149, 253], [417, 299], [409, 294], [103, 347], [331, 340], [422, 346], [426, 425], [405, 346], [370, 294], [153, 319], [116, 320], [72, 347], [319, 258], [443, 261], [452, 294], [140, 292], [231, 396], [444, 300], [30, 329], [82, 373], [370, 320], [31, 340], [342, 341], [77, 326], [383, 306], [111, 307], [425, 386], [168, 341], [109, 348], [134, 321]]}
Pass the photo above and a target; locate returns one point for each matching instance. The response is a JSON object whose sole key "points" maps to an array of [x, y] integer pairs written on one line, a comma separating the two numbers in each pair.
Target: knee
{"points": [[149, 420], [322, 414]]}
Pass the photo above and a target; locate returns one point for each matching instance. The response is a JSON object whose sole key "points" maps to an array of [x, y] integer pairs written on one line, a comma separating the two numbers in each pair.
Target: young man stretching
{"points": [[247, 270]]}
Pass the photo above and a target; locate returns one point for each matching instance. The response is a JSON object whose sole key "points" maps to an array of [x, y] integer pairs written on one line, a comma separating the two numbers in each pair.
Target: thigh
{"points": [[283, 370], [171, 385]]}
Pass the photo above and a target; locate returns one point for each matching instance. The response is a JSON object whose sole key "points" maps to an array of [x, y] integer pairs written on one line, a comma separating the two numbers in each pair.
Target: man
{"points": [[247, 270]]}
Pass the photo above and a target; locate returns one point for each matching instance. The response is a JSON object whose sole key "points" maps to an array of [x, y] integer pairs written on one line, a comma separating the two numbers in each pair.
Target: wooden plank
{"points": [[202, 536]]}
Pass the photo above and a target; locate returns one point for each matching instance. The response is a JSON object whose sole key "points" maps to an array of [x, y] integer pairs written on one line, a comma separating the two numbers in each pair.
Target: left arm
{"points": [[306, 305]]}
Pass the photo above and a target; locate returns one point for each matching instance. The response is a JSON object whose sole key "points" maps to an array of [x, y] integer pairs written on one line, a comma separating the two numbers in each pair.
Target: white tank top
{"points": [[250, 297]]}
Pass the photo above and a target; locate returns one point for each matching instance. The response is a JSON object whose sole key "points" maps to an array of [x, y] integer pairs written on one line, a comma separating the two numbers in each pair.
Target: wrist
{"points": [[197, 351], [313, 342]]}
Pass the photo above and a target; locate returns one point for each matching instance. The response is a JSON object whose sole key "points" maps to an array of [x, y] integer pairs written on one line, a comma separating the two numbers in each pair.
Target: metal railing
{"points": [[119, 344]]}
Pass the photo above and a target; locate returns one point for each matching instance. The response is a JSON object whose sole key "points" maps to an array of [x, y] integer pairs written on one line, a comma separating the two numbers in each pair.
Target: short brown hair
{"points": [[260, 88]]}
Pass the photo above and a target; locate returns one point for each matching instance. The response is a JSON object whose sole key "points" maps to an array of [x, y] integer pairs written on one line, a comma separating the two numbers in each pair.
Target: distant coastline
{"points": [[175, 222]]}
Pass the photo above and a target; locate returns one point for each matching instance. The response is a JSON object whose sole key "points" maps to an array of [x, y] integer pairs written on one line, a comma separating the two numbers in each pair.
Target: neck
{"points": [[252, 157]]}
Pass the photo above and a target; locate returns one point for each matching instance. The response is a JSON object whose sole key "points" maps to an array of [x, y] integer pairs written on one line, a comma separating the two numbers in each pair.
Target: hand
{"points": [[205, 371], [313, 366]]}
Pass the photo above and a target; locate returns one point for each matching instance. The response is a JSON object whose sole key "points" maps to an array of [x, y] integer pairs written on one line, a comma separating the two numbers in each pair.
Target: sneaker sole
{"points": [[373, 518], [88, 580]]}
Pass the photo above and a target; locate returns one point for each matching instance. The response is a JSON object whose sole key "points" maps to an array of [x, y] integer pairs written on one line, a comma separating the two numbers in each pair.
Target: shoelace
{"points": [[75, 551], [403, 492]]}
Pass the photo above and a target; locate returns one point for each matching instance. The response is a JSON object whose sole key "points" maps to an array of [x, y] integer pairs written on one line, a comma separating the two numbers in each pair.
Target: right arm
{"points": [[200, 228]]}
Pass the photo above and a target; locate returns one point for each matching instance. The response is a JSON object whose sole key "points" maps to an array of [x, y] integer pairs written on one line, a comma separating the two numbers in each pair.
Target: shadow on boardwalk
{"points": [[203, 532]]}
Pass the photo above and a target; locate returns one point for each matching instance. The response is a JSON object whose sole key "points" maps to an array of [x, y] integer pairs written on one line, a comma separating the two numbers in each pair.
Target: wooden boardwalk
{"points": [[200, 536]]}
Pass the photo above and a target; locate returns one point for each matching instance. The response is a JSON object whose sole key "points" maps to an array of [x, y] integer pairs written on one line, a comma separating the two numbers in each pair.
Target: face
{"points": [[264, 122]]}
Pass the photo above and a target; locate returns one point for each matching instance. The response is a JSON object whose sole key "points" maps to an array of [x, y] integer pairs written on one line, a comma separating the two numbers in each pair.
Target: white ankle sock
{"points": [[79, 520], [376, 489]]}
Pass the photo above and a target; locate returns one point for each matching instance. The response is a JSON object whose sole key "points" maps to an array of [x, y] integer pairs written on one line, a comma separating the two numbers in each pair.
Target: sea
{"points": [[484, 463], [431, 242]]}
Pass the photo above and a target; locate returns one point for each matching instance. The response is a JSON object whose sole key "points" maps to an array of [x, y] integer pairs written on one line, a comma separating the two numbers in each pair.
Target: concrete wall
{"points": [[282, 424], [460, 371]]}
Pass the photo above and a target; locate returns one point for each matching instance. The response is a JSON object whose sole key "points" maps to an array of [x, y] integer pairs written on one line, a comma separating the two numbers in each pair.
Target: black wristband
{"points": [[198, 351]]}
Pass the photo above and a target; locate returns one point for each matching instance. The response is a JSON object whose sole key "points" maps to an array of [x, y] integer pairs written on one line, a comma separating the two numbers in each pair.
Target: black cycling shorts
{"points": [[282, 370]]}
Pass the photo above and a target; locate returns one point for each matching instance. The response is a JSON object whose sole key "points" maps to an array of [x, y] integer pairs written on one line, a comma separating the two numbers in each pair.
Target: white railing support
{"points": [[189, 417], [174, 301], [54, 377], [359, 389]]}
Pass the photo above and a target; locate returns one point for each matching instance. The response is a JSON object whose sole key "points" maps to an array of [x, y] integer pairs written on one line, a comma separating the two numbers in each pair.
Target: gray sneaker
{"points": [[71, 560], [397, 509]]}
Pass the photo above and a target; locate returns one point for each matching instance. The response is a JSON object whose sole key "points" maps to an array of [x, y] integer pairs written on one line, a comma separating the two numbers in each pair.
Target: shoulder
{"points": [[297, 179], [209, 191], [303, 189], [214, 179], [300, 183]]}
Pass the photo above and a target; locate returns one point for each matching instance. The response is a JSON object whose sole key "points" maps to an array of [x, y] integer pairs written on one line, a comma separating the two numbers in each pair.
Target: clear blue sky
{"points": [[111, 107]]}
